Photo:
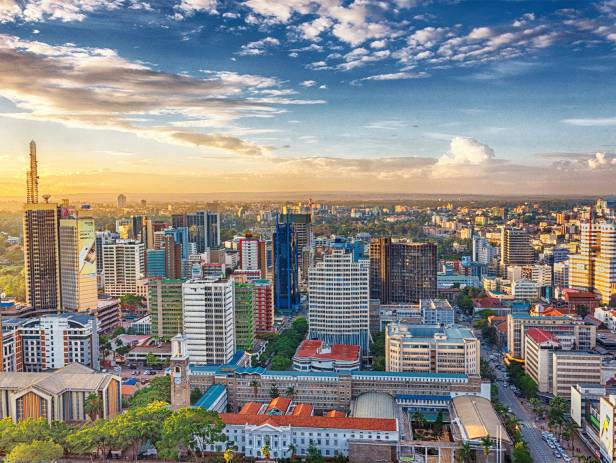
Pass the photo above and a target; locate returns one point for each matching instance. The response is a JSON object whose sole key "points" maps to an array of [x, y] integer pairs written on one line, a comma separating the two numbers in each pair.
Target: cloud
{"points": [[386, 125], [308, 83], [96, 88], [591, 122], [259, 47], [396, 76], [463, 150], [601, 160], [53, 10], [189, 7]]}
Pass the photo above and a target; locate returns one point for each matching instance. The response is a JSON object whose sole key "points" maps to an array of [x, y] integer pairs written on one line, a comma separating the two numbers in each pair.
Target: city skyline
{"points": [[205, 96]]}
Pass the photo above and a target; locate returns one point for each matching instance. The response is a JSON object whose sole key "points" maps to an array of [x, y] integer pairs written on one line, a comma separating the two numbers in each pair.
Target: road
{"points": [[532, 434]]}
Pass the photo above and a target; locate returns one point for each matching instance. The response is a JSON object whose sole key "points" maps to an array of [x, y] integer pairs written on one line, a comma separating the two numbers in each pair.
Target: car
{"points": [[557, 455], [567, 458], [551, 445]]}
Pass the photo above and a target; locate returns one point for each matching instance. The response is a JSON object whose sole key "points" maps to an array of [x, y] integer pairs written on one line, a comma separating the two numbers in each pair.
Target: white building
{"points": [[209, 320], [542, 275], [123, 266], [525, 289], [561, 275], [436, 312], [338, 300]]}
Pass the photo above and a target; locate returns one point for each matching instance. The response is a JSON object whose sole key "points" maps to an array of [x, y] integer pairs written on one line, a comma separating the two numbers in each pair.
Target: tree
{"points": [[92, 405], [228, 456], [96, 438], [37, 451], [151, 359], [313, 455], [581, 310], [274, 392], [24, 432], [438, 423], [419, 419], [254, 384], [557, 409], [141, 424], [377, 348], [265, 451], [569, 432], [190, 430], [465, 453], [486, 443], [281, 363], [521, 454], [291, 449], [159, 389], [290, 392], [195, 395]]}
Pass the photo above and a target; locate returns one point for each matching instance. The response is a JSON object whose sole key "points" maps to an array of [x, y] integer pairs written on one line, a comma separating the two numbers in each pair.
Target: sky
{"points": [[398, 96]]}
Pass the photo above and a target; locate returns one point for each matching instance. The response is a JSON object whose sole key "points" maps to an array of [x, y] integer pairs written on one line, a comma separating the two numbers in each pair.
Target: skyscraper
{"points": [[515, 247], [121, 201], [209, 324], [593, 268], [78, 263], [401, 271], [204, 230], [252, 254], [338, 300], [173, 258], [165, 307], [286, 277], [123, 265], [263, 306], [41, 256], [244, 321]]}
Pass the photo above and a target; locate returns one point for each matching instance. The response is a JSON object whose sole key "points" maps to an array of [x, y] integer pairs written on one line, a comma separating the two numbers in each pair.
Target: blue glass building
{"points": [[155, 263], [286, 265]]}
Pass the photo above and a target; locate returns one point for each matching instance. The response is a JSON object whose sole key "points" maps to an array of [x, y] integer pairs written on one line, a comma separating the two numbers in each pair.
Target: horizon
{"points": [[349, 97]]}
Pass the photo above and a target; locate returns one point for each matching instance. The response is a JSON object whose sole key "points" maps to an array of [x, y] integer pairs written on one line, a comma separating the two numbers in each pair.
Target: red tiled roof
{"points": [[279, 403], [569, 293], [501, 327], [366, 424], [335, 413], [250, 408], [303, 410], [538, 335], [128, 389], [487, 303], [310, 349]]}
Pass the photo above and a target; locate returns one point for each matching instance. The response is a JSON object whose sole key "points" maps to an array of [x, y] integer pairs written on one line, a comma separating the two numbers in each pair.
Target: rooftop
{"points": [[540, 336], [477, 418], [362, 424], [429, 332], [212, 394], [315, 348]]}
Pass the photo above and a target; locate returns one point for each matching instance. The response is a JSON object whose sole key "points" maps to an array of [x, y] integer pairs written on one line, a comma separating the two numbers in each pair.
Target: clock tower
{"points": [[180, 384]]}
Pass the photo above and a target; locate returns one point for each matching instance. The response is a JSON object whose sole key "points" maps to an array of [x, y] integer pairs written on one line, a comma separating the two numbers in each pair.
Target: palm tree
{"points": [[254, 384], [465, 453], [290, 392], [486, 443], [419, 419], [92, 406], [291, 449], [569, 432], [265, 451], [274, 391]]}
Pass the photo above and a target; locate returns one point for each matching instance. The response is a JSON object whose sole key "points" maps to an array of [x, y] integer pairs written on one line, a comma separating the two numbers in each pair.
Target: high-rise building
{"points": [[286, 273], [244, 324], [338, 300], [155, 263], [593, 268], [209, 324], [121, 201], [180, 236], [123, 266], [204, 230], [165, 307], [401, 271], [252, 254], [263, 306], [41, 256], [173, 258], [515, 247], [302, 228], [179, 220], [78, 263]]}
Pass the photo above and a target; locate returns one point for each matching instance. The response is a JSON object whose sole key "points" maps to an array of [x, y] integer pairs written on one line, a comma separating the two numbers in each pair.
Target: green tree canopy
{"points": [[37, 451]]}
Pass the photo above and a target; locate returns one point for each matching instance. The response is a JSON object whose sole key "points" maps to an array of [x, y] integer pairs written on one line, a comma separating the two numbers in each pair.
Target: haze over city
{"points": [[205, 96]]}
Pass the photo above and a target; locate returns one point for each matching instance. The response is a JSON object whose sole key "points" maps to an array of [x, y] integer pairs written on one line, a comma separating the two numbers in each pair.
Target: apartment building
{"points": [[123, 266]]}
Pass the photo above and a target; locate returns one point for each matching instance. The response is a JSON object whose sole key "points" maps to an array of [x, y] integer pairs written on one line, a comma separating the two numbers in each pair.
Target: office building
{"points": [[525, 290], [59, 395], [286, 269], [561, 275], [244, 311], [338, 300], [180, 236], [121, 201], [315, 355], [123, 266], [165, 307], [573, 367], [436, 312], [594, 267], [515, 247], [401, 271], [78, 263], [263, 306], [431, 348], [173, 257], [204, 230], [252, 255], [209, 323], [583, 334], [155, 266], [49, 342]]}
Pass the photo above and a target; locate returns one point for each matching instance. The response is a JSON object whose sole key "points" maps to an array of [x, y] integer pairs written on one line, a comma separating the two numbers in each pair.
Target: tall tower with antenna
{"points": [[32, 177]]}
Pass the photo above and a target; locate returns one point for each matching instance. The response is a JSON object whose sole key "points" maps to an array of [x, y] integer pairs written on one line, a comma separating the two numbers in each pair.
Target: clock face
{"points": [[177, 380]]}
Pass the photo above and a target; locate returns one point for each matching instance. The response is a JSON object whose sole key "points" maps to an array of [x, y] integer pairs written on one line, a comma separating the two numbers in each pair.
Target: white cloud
{"points": [[397, 76], [308, 83], [601, 160], [393, 124], [42, 10], [427, 37], [463, 150], [592, 121], [190, 7], [259, 47]]}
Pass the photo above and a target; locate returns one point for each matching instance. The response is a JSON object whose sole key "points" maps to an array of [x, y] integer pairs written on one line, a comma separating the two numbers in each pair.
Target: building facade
{"points": [[123, 266], [209, 322], [244, 312], [263, 306], [286, 268], [339, 299], [165, 307]]}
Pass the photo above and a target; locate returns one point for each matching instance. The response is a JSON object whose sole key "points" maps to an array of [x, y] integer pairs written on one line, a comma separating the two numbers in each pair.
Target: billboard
{"points": [[606, 431], [87, 247]]}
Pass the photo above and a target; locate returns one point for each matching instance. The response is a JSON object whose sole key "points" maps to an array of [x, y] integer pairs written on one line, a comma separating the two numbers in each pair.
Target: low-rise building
{"points": [[58, 395], [431, 348], [315, 355], [436, 312]]}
